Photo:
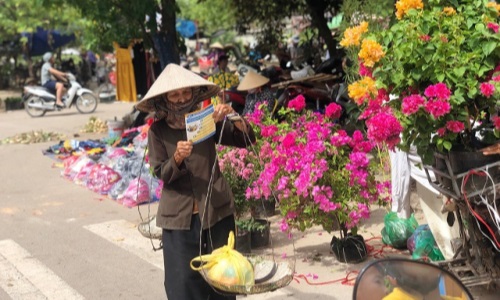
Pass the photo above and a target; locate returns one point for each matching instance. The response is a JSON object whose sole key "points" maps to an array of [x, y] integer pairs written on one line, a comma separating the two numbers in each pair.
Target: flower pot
{"points": [[351, 249], [263, 208], [243, 241], [260, 238]]}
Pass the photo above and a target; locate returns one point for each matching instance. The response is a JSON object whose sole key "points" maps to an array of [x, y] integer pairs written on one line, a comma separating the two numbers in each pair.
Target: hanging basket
{"points": [[281, 276]]}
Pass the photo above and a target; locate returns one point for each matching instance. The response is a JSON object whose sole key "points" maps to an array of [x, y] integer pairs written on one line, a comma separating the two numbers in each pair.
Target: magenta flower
{"points": [[384, 128], [455, 126], [439, 91], [364, 71], [437, 108], [412, 104], [441, 131], [496, 122], [298, 103], [487, 89], [425, 38], [493, 26], [268, 131], [333, 110]]}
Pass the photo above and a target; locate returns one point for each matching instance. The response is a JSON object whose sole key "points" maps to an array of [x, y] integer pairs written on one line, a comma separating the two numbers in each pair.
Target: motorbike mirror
{"points": [[400, 278]]}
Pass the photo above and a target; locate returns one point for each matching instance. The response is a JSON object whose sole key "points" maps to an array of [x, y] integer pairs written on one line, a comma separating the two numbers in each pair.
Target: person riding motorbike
{"points": [[52, 85]]}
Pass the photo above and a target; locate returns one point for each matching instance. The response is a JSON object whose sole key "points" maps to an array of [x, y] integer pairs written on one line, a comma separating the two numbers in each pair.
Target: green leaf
{"points": [[447, 145], [488, 47], [440, 77], [459, 71]]}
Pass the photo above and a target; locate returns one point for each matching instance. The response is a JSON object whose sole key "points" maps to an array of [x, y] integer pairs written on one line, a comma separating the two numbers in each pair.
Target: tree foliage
{"points": [[211, 16]]}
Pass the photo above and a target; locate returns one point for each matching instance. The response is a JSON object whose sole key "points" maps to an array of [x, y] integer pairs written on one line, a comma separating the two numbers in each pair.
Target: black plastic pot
{"points": [[351, 249], [243, 241], [263, 208], [260, 238]]}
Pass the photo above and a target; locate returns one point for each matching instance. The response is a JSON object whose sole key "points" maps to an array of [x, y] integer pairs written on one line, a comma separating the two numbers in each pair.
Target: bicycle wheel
{"points": [[86, 103], [106, 92]]}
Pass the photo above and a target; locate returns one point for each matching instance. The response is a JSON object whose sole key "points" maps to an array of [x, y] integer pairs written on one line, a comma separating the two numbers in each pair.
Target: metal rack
{"points": [[475, 262]]}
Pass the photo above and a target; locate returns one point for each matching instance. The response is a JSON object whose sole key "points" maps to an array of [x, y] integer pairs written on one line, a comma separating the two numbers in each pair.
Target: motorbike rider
{"points": [[47, 82]]}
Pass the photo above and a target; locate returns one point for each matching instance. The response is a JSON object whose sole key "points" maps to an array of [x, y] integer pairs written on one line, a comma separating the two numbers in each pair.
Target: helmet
{"points": [[47, 56]]}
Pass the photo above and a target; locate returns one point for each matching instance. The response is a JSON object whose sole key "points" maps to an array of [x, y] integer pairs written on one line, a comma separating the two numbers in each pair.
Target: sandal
{"points": [[60, 106]]}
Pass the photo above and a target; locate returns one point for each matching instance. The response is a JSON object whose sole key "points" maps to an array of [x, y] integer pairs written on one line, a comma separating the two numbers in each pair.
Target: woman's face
{"points": [[180, 96]]}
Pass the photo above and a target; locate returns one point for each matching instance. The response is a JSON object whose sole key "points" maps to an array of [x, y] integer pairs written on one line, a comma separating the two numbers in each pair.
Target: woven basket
{"points": [[281, 278]]}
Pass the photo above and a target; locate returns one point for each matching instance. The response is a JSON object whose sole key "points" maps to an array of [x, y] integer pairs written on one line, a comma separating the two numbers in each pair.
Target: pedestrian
{"points": [[188, 212], [259, 92]]}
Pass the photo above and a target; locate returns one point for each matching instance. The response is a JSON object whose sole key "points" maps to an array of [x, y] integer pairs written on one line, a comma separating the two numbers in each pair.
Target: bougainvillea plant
{"points": [[437, 60], [319, 174]]}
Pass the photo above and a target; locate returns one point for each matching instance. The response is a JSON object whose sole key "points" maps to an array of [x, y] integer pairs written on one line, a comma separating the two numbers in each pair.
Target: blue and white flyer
{"points": [[200, 125]]}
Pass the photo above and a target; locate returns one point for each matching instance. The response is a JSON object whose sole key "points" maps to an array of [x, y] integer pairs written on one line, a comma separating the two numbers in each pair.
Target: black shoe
{"points": [[60, 106]]}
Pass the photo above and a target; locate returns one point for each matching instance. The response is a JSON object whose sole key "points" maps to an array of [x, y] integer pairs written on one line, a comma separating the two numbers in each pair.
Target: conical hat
{"points": [[217, 45], [252, 80], [175, 77]]}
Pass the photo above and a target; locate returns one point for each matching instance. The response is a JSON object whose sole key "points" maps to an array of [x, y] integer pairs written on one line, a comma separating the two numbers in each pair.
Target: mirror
{"points": [[398, 278]]}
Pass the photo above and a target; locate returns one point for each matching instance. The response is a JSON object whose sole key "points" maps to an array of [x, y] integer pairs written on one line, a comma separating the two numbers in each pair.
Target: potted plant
{"points": [[319, 174], [237, 169], [439, 61]]}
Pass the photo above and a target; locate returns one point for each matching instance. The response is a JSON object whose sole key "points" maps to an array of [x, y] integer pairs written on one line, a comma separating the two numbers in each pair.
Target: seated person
{"points": [[223, 78], [259, 91], [55, 87]]}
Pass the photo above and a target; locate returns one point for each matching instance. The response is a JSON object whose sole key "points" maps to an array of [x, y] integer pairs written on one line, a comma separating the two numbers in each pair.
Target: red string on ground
{"points": [[382, 251], [349, 279]]}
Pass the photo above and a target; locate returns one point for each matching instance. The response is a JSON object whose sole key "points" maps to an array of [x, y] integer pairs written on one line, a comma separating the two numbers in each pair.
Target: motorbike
{"points": [[401, 278], [39, 100]]}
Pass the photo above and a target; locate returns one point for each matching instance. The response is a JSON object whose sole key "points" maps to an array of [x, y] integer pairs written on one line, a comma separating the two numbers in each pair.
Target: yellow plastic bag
{"points": [[226, 265]]}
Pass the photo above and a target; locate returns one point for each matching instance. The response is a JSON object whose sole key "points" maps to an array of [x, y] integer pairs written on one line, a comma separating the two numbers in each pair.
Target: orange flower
{"points": [[449, 11], [362, 89], [371, 52], [403, 6], [494, 5], [352, 35]]}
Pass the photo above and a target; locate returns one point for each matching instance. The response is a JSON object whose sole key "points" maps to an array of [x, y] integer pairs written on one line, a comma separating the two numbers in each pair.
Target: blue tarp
{"points": [[43, 40]]}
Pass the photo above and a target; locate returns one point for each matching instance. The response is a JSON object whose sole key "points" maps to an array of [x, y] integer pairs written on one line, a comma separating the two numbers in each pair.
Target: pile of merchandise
{"points": [[113, 167]]}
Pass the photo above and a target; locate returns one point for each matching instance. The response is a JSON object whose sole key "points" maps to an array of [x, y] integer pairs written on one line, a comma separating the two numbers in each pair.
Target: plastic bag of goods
{"points": [[226, 266], [397, 231], [136, 193], [102, 178], [423, 245]]}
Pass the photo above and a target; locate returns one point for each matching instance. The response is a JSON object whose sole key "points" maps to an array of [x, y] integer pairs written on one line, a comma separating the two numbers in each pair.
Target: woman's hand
{"points": [[184, 149], [491, 150], [221, 111]]}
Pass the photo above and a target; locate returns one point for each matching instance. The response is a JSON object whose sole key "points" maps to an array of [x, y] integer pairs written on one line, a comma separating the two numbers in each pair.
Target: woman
{"points": [[186, 209], [258, 92]]}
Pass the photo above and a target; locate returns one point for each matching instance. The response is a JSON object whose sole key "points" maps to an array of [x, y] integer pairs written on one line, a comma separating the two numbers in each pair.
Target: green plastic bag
{"points": [[397, 230], [424, 244]]}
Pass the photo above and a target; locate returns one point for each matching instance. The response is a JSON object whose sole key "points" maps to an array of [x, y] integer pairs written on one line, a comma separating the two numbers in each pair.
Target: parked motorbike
{"points": [[401, 278], [39, 100]]}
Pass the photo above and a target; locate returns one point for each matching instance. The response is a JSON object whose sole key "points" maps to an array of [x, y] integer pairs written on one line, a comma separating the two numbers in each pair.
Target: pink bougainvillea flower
{"points": [[439, 91], [487, 89], [496, 78], [364, 71], [384, 128], [298, 103], [455, 126], [437, 108], [493, 26], [412, 104], [441, 131], [425, 38], [333, 110], [496, 122]]}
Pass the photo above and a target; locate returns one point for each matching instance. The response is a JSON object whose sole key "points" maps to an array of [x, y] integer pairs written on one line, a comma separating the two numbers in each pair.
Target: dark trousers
{"points": [[179, 247]]}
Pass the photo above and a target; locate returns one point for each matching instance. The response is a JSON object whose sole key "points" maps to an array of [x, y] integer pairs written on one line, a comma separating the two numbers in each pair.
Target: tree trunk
{"points": [[317, 10], [165, 40]]}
